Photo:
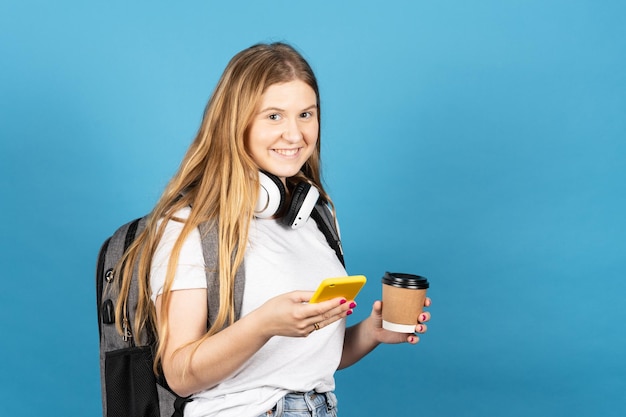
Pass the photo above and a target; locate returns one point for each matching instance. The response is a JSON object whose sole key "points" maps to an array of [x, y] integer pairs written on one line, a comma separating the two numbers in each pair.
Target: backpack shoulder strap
{"points": [[328, 226], [210, 242]]}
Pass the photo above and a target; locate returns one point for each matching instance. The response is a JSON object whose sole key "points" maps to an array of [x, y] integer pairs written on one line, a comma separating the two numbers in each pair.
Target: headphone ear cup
{"points": [[271, 196], [303, 200]]}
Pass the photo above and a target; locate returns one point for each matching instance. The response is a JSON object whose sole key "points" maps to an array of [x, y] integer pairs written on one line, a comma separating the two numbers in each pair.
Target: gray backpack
{"points": [[129, 386]]}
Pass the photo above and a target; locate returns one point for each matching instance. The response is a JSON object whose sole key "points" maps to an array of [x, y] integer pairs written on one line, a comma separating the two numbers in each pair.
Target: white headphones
{"points": [[272, 196]]}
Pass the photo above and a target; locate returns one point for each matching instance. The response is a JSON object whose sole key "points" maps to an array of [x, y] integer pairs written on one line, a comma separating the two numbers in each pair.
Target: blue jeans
{"points": [[305, 404]]}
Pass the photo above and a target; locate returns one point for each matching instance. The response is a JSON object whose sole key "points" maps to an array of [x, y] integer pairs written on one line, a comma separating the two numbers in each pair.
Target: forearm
{"points": [[218, 357], [358, 342]]}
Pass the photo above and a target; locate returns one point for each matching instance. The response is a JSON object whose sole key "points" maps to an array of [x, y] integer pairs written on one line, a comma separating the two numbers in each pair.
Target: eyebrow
{"points": [[311, 107]]}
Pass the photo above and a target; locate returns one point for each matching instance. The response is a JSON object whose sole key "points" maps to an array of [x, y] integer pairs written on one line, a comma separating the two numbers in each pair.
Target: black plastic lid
{"points": [[401, 280]]}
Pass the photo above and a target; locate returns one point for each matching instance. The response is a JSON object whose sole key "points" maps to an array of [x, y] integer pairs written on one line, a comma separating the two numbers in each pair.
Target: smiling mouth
{"points": [[287, 152]]}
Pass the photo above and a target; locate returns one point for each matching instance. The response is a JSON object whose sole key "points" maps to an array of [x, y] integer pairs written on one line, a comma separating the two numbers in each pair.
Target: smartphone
{"points": [[346, 287]]}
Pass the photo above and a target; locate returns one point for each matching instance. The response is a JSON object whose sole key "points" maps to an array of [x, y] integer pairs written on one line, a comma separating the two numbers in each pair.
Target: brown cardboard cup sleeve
{"points": [[403, 300]]}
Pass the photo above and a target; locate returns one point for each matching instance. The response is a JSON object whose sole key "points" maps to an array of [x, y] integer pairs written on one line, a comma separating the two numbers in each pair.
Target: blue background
{"points": [[479, 143]]}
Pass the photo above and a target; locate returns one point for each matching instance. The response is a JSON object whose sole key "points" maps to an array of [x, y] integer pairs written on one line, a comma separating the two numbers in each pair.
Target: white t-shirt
{"points": [[277, 260]]}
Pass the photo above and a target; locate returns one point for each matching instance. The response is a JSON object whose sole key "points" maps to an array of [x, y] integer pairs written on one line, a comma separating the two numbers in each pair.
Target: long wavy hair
{"points": [[218, 179]]}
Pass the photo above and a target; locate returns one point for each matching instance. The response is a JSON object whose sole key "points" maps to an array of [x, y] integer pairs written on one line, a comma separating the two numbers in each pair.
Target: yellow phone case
{"points": [[346, 287]]}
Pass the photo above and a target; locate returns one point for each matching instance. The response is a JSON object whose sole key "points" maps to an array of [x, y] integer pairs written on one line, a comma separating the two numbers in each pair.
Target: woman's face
{"points": [[284, 130]]}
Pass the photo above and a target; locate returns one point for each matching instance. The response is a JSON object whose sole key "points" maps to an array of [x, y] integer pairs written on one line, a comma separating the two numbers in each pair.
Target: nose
{"points": [[292, 131]]}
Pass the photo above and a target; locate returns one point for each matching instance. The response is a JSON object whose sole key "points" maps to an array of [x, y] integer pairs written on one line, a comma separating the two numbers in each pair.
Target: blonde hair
{"points": [[219, 181]]}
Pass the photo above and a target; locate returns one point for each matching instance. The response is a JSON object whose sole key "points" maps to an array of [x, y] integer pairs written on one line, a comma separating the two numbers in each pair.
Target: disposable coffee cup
{"points": [[403, 301]]}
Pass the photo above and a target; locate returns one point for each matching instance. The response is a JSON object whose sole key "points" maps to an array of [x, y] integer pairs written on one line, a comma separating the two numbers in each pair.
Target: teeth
{"points": [[286, 152]]}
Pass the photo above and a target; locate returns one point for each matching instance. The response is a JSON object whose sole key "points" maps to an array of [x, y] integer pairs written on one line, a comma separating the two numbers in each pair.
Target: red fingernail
{"points": [[352, 304], [423, 318], [343, 301], [348, 312], [411, 339]]}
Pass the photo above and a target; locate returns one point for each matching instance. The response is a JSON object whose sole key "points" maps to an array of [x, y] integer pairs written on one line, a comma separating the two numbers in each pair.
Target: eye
{"points": [[306, 115], [274, 116]]}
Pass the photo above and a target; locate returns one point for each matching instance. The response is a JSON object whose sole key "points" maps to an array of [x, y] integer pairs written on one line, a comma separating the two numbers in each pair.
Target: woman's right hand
{"points": [[290, 314]]}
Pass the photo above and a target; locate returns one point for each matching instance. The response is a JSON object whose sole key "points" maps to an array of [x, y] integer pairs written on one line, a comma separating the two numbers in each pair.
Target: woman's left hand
{"points": [[386, 336], [363, 337]]}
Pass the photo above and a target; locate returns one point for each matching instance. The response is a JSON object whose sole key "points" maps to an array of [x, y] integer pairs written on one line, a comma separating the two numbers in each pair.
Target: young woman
{"points": [[281, 354]]}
